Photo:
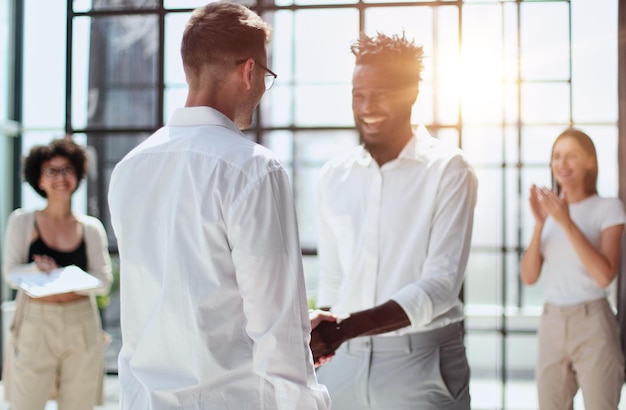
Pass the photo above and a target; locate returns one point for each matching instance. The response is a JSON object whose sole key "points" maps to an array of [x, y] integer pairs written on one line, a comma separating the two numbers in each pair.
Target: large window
{"points": [[8, 128], [502, 79]]}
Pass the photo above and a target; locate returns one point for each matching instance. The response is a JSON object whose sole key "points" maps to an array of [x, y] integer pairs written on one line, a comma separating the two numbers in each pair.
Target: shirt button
{"points": [[367, 343]]}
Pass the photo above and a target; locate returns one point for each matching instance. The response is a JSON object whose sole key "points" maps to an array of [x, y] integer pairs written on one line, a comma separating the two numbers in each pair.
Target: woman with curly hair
{"points": [[56, 342]]}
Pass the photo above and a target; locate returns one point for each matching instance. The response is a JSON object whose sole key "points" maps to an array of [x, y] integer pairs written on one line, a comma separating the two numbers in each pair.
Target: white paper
{"points": [[62, 280]]}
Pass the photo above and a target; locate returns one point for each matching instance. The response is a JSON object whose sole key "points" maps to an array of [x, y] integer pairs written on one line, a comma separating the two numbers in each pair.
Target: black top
{"points": [[76, 257]]}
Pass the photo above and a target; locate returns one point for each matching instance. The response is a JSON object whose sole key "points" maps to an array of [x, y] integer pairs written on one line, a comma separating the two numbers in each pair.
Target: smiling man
{"points": [[396, 220]]}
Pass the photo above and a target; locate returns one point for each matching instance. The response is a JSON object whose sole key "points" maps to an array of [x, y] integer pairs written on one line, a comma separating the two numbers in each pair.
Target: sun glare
{"points": [[474, 81], [481, 86]]}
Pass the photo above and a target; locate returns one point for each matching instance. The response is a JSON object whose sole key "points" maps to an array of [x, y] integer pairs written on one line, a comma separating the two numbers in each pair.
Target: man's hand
{"points": [[318, 317], [325, 340]]}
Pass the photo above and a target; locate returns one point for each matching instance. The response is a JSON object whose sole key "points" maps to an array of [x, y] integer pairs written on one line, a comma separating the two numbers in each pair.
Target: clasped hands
{"points": [[326, 336], [544, 202]]}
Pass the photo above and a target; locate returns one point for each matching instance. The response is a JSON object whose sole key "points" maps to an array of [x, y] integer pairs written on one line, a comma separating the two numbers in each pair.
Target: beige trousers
{"points": [[57, 347], [579, 346]]}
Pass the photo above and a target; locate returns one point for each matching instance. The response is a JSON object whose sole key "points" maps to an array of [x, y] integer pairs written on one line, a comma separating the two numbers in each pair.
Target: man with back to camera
{"points": [[213, 303], [395, 219]]}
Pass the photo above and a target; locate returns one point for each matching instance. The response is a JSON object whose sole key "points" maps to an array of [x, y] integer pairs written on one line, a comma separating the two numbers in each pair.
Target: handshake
{"points": [[330, 331], [327, 335]]}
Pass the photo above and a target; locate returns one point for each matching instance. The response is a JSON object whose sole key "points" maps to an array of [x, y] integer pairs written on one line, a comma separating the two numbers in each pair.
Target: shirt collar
{"points": [[198, 116], [415, 149]]}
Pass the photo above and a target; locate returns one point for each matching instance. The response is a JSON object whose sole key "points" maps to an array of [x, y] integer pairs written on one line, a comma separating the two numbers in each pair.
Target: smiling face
{"points": [[58, 178], [572, 165], [381, 107]]}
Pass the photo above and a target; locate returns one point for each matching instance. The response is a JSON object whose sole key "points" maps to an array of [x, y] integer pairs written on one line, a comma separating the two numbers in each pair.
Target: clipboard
{"points": [[62, 280]]}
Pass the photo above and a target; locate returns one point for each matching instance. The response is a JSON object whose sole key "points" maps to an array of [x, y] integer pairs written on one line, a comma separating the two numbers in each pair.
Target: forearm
{"points": [[598, 265], [380, 319], [532, 261]]}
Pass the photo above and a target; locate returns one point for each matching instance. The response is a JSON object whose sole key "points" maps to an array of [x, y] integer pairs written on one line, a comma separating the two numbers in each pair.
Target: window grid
{"points": [[104, 136]]}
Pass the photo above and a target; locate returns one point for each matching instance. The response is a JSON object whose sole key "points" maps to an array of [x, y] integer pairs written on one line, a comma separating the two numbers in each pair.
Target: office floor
{"points": [[520, 395]]}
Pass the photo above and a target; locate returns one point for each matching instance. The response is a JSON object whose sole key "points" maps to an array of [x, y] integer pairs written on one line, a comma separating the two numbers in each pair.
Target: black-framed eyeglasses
{"points": [[270, 76], [52, 172]]}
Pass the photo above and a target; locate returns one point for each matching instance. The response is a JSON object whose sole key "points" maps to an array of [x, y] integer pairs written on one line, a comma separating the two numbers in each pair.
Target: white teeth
{"points": [[372, 120]]}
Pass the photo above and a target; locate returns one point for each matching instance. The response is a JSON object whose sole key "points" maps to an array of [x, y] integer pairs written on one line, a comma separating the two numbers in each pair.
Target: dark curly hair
{"points": [[63, 147], [406, 56]]}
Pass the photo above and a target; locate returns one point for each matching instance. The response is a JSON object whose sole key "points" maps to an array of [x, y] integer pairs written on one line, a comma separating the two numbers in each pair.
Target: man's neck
{"points": [[384, 154]]}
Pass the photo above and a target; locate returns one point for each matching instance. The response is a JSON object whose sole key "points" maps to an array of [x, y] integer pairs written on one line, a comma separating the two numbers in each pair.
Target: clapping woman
{"points": [[576, 245]]}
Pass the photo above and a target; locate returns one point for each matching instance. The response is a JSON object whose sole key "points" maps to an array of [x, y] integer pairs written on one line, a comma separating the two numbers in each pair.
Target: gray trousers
{"points": [[419, 371]]}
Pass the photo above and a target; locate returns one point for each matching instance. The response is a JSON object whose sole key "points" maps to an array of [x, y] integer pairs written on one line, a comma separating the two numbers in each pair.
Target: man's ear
{"points": [[246, 73]]}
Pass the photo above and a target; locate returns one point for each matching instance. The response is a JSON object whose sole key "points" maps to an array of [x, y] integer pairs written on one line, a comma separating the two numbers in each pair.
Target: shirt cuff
{"points": [[416, 304]]}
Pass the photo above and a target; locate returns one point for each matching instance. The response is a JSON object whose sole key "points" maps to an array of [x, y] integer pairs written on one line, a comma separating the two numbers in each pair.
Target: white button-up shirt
{"points": [[213, 301], [401, 231]]}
